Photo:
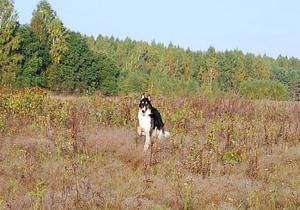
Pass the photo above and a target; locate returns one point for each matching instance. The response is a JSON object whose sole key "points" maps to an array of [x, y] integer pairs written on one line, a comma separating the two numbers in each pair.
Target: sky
{"points": [[268, 27]]}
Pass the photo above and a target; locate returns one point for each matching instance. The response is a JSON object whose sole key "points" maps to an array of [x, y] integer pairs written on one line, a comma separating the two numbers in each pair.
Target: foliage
{"points": [[57, 39], [46, 54], [156, 82], [80, 69], [77, 65], [108, 75], [264, 89], [35, 59], [9, 43], [231, 157], [290, 78]]}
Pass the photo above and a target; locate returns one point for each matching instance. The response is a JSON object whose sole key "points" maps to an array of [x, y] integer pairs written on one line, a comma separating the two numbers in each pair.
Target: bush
{"points": [[264, 89]]}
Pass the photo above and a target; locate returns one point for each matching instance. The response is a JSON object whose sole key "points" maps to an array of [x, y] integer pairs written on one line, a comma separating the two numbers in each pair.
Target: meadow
{"points": [[82, 152]]}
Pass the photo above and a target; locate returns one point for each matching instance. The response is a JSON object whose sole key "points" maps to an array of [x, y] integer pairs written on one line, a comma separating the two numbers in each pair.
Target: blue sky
{"points": [[256, 26]]}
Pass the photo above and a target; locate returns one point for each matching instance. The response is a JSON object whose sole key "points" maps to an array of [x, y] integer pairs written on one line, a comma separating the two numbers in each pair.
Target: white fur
{"points": [[145, 124], [160, 134]]}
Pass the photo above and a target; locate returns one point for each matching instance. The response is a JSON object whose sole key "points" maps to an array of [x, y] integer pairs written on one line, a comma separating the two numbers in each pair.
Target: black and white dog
{"points": [[150, 122]]}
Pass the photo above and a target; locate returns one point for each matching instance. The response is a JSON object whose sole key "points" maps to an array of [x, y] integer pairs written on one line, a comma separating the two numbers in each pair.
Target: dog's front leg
{"points": [[147, 142]]}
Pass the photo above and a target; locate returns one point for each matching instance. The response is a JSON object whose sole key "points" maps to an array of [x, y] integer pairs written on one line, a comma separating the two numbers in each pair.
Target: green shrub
{"points": [[232, 157], [264, 89]]}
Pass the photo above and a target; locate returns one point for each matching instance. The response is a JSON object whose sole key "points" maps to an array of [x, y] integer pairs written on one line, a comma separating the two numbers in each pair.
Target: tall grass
{"points": [[79, 152]]}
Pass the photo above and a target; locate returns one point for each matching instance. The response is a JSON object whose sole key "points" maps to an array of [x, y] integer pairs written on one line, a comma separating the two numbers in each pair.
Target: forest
{"points": [[46, 54]]}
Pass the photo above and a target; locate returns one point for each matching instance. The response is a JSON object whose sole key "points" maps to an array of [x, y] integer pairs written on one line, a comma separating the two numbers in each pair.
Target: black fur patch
{"points": [[157, 120]]}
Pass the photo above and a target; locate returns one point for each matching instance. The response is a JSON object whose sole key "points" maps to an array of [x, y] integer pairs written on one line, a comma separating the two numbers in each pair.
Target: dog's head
{"points": [[145, 103]]}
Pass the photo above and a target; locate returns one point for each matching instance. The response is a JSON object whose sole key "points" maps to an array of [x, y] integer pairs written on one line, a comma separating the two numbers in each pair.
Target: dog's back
{"points": [[157, 119]]}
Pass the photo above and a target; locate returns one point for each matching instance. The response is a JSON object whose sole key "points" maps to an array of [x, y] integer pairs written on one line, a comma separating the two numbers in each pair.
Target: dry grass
{"points": [[223, 154]]}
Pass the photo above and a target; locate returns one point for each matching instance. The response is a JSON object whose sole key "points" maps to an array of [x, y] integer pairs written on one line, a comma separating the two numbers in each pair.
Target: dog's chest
{"points": [[144, 120]]}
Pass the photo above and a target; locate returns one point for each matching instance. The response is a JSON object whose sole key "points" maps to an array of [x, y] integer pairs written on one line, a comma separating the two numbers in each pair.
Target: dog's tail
{"points": [[164, 135]]}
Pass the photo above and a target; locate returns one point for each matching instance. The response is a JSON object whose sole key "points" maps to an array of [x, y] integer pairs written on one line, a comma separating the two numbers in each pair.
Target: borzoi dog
{"points": [[150, 122]]}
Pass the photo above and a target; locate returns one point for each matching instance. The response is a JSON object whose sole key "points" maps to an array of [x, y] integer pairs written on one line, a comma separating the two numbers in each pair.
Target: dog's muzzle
{"points": [[144, 109]]}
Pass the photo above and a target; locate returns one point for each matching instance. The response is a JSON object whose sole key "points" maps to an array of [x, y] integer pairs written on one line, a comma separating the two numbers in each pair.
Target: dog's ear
{"points": [[149, 97], [143, 96]]}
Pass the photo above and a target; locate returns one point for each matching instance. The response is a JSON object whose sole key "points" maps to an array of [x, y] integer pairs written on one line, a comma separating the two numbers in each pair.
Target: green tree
{"points": [[42, 17], [81, 69], [57, 39], [256, 67], [41, 27], [209, 70], [232, 70], [52, 43], [109, 75], [73, 63], [264, 89], [294, 83], [34, 61], [290, 78], [9, 43]]}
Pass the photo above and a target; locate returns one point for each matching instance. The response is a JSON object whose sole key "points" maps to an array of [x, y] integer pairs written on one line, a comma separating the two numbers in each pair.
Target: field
{"points": [[82, 152]]}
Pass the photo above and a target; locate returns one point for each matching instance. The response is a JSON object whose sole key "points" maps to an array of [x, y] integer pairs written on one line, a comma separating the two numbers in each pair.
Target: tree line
{"points": [[44, 53]]}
